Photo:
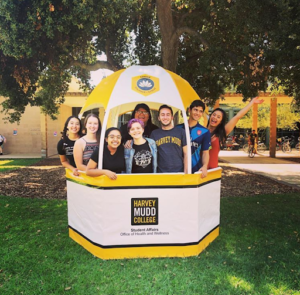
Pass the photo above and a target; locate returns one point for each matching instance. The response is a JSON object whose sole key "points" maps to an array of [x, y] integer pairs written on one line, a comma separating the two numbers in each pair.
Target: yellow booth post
{"points": [[143, 215]]}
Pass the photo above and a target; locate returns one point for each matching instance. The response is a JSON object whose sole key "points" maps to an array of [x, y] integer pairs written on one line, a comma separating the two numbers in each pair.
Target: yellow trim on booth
{"points": [[101, 94], [186, 91], [144, 252], [142, 180]]}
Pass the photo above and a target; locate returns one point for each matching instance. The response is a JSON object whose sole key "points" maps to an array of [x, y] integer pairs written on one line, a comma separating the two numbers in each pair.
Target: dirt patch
{"points": [[43, 180], [239, 183], [46, 180]]}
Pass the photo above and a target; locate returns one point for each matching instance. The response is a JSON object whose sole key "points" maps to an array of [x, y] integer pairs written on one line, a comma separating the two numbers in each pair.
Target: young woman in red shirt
{"points": [[219, 129]]}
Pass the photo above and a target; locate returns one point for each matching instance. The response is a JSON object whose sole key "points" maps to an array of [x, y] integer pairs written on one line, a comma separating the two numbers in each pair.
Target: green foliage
{"points": [[287, 117], [213, 44], [39, 40], [257, 252]]}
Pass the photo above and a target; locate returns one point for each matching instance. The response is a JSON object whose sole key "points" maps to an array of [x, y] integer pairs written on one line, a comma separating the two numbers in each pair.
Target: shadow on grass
{"points": [[257, 252]]}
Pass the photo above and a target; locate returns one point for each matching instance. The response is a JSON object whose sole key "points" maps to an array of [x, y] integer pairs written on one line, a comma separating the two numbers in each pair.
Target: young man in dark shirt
{"points": [[170, 142]]}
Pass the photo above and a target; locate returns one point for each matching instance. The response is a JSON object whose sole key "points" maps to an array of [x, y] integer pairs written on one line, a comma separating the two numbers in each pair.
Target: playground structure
{"points": [[143, 215]]}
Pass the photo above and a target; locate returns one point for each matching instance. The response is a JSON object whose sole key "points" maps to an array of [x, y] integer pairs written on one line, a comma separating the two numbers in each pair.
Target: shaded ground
{"points": [[46, 180], [290, 159]]}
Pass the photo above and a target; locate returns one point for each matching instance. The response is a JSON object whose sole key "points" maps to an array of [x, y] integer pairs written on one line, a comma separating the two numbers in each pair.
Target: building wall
{"points": [[54, 129], [25, 137], [35, 134]]}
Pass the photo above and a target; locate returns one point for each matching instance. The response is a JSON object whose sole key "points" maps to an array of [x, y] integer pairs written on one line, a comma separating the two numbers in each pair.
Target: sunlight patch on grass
{"points": [[6, 165], [4, 162], [281, 290], [240, 283]]}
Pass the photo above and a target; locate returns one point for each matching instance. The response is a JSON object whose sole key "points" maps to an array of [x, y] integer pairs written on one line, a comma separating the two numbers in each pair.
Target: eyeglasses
{"points": [[113, 136], [142, 112]]}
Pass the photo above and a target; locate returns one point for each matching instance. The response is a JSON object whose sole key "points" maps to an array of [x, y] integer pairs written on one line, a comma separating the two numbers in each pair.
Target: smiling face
{"points": [[165, 117], [215, 118], [196, 113], [113, 139], [142, 115], [136, 130], [92, 125], [73, 126]]}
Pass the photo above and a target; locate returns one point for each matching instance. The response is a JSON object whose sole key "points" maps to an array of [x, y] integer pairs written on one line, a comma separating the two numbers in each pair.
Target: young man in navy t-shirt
{"points": [[200, 138], [170, 142]]}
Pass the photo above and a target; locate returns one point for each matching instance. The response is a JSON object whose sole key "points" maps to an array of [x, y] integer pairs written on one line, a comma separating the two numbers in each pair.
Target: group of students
{"points": [[142, 147]]}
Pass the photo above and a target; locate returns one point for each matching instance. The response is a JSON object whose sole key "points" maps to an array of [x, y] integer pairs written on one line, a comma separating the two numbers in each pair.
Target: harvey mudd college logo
{"points": [[144, 211]]}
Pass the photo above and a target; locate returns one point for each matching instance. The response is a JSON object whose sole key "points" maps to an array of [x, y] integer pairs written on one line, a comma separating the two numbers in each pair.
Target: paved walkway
{"points": [[279, 169]]}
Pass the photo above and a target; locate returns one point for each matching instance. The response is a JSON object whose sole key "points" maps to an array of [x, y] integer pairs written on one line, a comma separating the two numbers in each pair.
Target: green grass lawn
{"points": [[11, 164], [257, 252]]}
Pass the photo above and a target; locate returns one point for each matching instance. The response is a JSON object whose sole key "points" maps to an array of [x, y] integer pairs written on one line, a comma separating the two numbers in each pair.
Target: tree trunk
{"points": [[170, 40]]}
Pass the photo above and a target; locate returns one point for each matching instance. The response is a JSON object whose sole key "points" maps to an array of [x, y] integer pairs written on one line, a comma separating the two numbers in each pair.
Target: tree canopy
{"points": [[213, 44]]}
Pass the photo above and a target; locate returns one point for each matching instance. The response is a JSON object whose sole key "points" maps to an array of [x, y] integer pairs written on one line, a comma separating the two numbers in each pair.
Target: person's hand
{"points": [[127, 144], [257, 100], [75, 172], [203, 169], [110, 174]]}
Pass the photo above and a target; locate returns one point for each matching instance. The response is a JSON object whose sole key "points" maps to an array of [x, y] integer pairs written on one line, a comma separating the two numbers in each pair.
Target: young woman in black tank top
{"points": [[85, 146]]}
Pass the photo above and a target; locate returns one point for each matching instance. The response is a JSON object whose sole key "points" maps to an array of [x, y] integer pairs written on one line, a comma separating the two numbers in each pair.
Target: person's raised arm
{"points": [[78, 154], [231, 124]]}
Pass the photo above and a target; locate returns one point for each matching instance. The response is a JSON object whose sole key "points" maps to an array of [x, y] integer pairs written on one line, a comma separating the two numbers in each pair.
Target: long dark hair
{"points": [[220, 129], [98, 133], [64, 133]]}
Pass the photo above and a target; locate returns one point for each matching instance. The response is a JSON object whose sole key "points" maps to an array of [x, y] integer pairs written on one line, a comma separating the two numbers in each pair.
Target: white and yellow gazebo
{"points": [[143, 215]]}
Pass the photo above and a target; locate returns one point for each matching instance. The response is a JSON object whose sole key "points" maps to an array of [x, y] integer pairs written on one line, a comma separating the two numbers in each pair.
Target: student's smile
{"points": [[142, 115], [114, 139], [165, 117], [73, 125], [196, 113], [216, 118], [92, 125], [136, 130]]}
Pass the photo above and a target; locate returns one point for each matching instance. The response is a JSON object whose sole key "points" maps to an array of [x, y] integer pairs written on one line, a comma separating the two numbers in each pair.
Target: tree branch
{"points": [[191, 59], [195, 12], [191, 32]]}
